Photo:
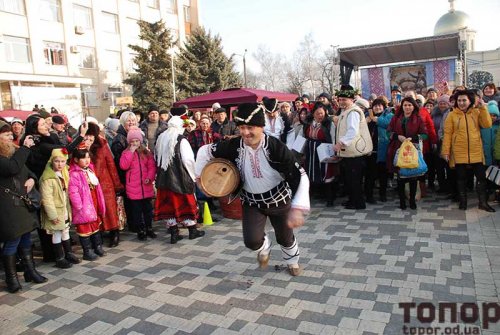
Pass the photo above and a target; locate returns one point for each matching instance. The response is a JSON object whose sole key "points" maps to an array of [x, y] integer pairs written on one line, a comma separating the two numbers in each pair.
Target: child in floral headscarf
{"points": [[56, 209]]}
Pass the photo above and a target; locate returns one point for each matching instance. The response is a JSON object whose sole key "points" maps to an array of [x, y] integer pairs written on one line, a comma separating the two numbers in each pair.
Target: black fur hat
{"points": [[250, 114]]}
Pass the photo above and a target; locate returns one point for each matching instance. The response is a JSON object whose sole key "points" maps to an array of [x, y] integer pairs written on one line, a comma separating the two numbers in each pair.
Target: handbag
{"points": [[32, 200], [493, 174], [420, 170]]}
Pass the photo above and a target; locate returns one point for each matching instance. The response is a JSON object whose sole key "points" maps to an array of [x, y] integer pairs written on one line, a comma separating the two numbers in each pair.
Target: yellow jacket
{"points": [[55, 201], [462, 136]]}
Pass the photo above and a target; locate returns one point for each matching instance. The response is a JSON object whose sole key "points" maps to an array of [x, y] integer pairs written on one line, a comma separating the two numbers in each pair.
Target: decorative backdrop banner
{"points": [[417, 77]]}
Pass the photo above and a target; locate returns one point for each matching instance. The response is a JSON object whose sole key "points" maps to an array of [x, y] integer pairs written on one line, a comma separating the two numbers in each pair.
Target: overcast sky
{"points": [[282, 24]]}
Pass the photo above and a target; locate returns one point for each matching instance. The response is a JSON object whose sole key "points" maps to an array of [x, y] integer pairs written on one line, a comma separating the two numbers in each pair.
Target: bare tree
{"points": [[271, 68], [309, 53]]}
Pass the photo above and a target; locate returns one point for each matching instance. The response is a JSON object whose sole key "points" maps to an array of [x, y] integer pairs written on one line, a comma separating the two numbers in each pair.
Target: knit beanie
{"points": [[493, 108], [134, 134], [444, 98]]}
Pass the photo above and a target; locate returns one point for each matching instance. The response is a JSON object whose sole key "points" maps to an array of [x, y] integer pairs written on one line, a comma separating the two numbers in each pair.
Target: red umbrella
{"points": [[10, 114]]}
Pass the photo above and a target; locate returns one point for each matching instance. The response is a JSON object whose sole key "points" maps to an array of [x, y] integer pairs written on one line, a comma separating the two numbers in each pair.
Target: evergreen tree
{"points": [[202, 67], [152, 81]]}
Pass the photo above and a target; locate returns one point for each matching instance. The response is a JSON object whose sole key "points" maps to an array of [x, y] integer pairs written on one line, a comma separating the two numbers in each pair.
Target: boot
{"points": [[150, 232], [413, 193], [330, 194], [401, 193], [30, 272], [462, 195], [483, 197], [114, 238], [96, 240], [174, 235], [61, 261], [195, 233], [68, 252], [9, 265], [88, 253]]}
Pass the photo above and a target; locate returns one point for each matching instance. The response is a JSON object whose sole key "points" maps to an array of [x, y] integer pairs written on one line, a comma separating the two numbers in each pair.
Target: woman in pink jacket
{"points": [[87, 204], [139, 164]]}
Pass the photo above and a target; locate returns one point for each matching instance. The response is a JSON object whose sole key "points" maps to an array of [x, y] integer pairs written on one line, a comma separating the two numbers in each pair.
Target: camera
{"points": [[36, 139]]}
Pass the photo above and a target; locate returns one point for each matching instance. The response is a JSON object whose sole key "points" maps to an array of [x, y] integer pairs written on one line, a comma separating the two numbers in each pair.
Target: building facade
{"points": [[74, 54]]}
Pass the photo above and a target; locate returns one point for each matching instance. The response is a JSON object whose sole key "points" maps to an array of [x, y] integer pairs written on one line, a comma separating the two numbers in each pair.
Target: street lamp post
{"points": [[171, 52], [244, 65]]}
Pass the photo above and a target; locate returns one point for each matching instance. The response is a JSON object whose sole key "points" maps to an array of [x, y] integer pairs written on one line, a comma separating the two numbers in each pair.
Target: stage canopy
{"points": [[233, 96], [424, 48]]}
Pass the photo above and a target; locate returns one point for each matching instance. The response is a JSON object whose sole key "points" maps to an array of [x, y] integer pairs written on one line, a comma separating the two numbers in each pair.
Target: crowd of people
{"points": [[149, 167]]}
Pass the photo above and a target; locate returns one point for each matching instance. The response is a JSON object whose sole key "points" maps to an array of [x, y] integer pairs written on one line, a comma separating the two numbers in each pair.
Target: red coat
{"points": [[415, 126], [105, 170], [431, 130]]}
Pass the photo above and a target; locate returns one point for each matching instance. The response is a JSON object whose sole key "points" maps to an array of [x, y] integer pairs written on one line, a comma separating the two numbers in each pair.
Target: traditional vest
{"points": [[176, 178], [362, 143]]}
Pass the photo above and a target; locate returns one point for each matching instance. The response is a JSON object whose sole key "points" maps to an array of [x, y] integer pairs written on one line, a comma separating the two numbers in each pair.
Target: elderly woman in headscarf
{"points": [[175, 180]]}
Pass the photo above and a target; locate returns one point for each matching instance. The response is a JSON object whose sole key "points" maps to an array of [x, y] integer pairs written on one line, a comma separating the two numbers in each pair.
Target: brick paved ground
{"points": [[357, 267]]}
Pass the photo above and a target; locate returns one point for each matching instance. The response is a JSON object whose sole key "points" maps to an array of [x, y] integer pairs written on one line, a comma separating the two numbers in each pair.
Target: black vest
{"points": [[176, 178]]}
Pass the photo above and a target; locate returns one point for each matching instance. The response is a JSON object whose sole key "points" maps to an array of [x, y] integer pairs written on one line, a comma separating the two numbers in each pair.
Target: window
{"points": [[187, 13], [131, 66], [50, 10], [110, 23], [12, 6], [132, 28], [54, 53], [170, 6], [89, 96], [17, 49], [152, 3], [87, 58], [113, 61], [82, 16]]}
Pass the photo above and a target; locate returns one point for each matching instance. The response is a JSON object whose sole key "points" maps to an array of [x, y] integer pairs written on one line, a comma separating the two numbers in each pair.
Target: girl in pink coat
{"points": [[87, 204], [140, 167]]}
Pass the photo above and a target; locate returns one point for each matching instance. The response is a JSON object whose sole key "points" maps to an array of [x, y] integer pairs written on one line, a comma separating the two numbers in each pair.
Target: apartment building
{"points": [[74, 54]]}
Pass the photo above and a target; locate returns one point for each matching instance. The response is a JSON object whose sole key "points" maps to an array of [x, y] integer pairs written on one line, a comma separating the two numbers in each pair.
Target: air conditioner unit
{"points": [[105, 96], [79, 30], [74, 49]]}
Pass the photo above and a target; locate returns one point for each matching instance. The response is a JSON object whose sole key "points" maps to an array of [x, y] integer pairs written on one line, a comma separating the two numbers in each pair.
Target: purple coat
{"points": [[138, 168], [82, 205]]}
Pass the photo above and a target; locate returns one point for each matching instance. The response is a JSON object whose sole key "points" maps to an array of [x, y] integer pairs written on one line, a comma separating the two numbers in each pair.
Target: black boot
{"points": [[413, 194], [401, 194], [175, 235], [61, 261], [9, 265], [68, 252], [329, 193], [150, 232], [141, 235], [462, 194], [195, 233], [483, 197], [30, 272], [114, 238], [96, 240], [88, 253]]}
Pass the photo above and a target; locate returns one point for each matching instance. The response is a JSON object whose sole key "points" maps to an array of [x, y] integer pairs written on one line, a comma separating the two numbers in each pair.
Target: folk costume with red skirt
{"points": [[175, 182], [317, 133]]}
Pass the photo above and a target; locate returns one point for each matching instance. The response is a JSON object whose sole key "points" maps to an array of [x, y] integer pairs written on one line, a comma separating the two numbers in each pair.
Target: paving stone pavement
{"points": [[358, 267]]}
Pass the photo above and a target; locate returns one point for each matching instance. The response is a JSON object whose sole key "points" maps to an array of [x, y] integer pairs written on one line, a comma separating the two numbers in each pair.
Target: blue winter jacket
{"points": [[488, 136], [383, 136]]}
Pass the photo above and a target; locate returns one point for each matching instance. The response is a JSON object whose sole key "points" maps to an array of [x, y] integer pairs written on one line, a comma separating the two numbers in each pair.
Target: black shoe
{"points": [[11, 279], [175, 235], [30, 272], [96, 240], [69, 254], [355, 207], [413, 205], [485, 207], [383, 198], [195, 233], [150, 233], [114, 238], [371, 200], [346, 203], [61, 261], [329, 203], [88, 253], [142, 236]]}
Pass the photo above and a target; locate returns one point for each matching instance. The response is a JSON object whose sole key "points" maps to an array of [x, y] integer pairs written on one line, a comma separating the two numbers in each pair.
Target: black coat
{"points": [[15, 220], [117, 146]]}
